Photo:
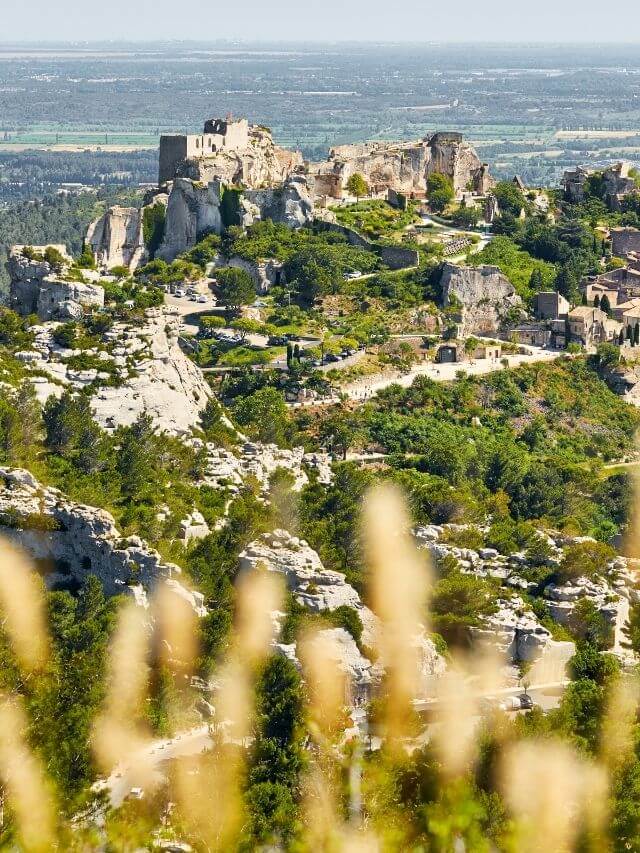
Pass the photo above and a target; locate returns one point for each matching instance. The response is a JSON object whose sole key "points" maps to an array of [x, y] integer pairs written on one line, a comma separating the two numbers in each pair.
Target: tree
{"points": [[621, 337], [357, 185], [153, 225], [510, 198], [236, 288], [440, 191], [567, 282], [605, 305], [536, 282], [65, 335], [608, 355], [277, 757], [246, 326], [585, 559], [265, 414], [86, 260], [137, 459], [596, 301], [458, 602], [636, 334]]}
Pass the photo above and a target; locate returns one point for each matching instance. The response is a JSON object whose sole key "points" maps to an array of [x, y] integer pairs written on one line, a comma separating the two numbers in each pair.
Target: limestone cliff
{"points": [[79, 540], [164, 383], [36, 288], [116, 238], [192, 210], [484, 295]]}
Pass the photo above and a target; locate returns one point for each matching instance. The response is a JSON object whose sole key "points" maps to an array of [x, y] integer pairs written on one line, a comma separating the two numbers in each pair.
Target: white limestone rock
{"points": [[167, 385], [83, 538]]}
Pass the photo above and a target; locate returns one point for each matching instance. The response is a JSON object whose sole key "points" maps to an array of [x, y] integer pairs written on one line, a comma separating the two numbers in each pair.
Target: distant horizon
{"points": [[300, 42]]}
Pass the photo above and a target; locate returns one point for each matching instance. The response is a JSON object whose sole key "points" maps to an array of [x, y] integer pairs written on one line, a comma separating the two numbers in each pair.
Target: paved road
{"points": [[119, 783], [369, 386]]}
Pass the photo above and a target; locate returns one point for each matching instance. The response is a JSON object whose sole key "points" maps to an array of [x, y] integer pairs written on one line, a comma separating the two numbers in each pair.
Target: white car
{"points": [[136, 793], [202, 300], [179, 292]]}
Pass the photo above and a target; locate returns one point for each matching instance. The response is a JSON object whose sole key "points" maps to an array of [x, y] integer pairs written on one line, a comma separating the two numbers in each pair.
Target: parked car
{"points": [[277, 341], [179, 292], [349, 276], [202, 300], [136, 793]]}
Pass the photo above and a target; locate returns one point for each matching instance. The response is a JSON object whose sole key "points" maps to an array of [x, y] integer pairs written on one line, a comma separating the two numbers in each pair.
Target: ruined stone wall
{"points": [[173, 151], [394, 257]]}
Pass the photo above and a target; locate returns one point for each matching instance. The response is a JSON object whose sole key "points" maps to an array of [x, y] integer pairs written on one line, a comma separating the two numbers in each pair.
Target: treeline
{"points": [[35, 174]]}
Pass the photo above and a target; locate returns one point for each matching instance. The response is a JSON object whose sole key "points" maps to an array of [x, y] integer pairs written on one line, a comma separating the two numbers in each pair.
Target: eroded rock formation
{"points": [[37, 289], [483, 294], [117, 239], [78, 540]]}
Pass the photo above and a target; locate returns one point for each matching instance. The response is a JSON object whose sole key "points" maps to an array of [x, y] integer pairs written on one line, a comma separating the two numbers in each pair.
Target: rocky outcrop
{"points": [[192, 210], [67, 300], [227, 469], [320, 590], [290, 204], [231, 151], [402, 166], [484, 295], [116, 238], [195, 208], [78, 540], [162, 382], [36, 288]]}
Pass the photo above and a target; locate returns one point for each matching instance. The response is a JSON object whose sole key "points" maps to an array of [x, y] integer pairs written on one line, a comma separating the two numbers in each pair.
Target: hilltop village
{"points": [[215, 382]]}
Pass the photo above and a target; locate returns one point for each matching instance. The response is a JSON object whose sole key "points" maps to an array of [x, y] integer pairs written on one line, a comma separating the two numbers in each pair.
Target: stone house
{"points": [[550, 305], [625, 241], [587, 325], [488, 351]]}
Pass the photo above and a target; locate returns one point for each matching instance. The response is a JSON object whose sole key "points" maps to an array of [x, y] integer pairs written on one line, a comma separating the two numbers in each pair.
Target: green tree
{"points": [[439, 191], [458, 602], [137, 458], [605, 305], [265, 415], [153, 226], [277, 757], [585, 559], [357, 185], [510, 198], [235, 288], [86, 260]]}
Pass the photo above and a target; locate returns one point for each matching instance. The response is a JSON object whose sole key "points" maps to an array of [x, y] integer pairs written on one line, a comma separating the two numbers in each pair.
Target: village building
{"points": [[587, 325], [550, 305]]}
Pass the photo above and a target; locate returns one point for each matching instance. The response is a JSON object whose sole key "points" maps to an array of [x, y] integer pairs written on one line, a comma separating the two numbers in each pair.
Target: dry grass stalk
{"points": [[120, 737], [399, 589], [550, 791], [459, 689], [209, 789], [22, 608], [24, 781], [617, 735]]}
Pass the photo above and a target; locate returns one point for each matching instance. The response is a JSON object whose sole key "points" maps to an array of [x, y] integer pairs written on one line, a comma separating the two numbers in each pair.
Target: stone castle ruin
{"points": [[402, 166], [195, 170]]}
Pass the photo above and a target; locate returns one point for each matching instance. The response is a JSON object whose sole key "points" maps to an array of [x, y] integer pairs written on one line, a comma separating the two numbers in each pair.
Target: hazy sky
{"points": [[389, 20]]}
